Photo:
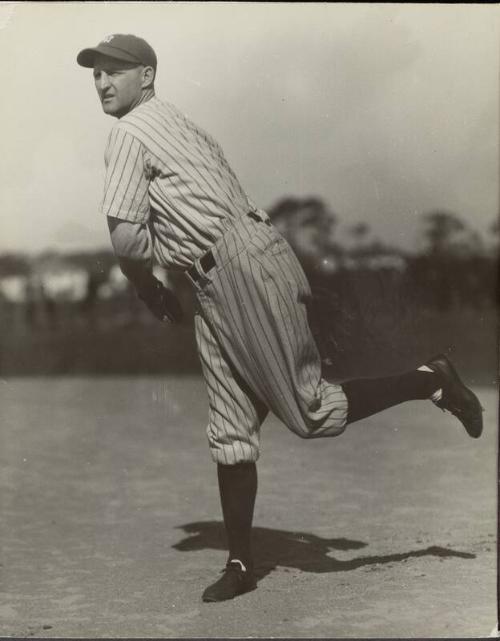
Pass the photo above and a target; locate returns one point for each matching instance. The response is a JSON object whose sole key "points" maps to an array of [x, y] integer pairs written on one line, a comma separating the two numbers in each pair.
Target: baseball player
{"points": [[171, 197]]}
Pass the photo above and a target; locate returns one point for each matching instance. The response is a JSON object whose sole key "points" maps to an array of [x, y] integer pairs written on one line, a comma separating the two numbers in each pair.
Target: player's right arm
{"points": [[132, 248], [126, 205]]}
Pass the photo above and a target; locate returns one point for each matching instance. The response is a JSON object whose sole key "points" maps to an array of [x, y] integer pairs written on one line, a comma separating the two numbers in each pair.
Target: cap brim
{"points": [[86, 57]]}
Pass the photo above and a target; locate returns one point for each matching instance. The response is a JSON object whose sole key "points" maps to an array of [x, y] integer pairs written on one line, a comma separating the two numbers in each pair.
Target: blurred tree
{"points": [[494, 239], [442, 228], [493, 258], [309, 225], [360, 232], [454, 268], [14, 265], [98, 263]]}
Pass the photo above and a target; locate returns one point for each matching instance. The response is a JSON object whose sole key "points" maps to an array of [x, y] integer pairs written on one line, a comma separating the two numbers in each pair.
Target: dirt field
{"points": [[110, 521]]}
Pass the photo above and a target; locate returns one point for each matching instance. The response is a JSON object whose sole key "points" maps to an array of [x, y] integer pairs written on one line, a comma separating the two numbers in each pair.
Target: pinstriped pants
{"points": [[255, 346]]}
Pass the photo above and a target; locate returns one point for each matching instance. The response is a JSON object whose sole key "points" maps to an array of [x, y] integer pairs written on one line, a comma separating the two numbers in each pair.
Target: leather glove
{"points": [[161, 301]]}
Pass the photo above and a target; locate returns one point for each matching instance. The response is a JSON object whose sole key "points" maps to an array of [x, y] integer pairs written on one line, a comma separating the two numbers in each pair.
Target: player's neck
{"points": [[146, 95]]}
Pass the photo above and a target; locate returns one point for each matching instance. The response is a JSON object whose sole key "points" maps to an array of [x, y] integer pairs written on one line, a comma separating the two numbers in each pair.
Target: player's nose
{"points": [[103, 81]]}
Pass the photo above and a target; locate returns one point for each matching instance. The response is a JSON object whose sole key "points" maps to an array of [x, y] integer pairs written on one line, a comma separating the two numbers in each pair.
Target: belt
{"points": [[258, 218], [207, 261]]}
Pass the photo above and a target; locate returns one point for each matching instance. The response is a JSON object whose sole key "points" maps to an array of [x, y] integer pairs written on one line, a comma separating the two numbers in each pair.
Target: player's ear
{"points": [[148, 77]]}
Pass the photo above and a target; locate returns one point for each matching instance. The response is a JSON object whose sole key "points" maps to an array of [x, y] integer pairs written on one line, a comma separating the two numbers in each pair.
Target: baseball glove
{"points": [[161, 301]]}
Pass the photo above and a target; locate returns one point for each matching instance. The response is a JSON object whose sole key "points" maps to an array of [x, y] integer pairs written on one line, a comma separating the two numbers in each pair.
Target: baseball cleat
{"points": [[233, 582], [457, 398]]}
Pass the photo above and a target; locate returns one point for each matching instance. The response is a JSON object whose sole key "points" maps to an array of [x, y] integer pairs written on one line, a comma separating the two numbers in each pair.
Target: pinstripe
{"points": [[255, 346], [208, 159], [205, 354], [213, 146], [112, 176], [241, 286], [299, 276], [281, 398], [150, 140], [246, 301], [230, 433], [153, 141], [230, 304], [111, 146], [292, 309], [162, 252], [262, 334], [286, 379], [299, 318], [131, 176], [212, 378], [144, 197], [129, 172], [160, 134], [294, 345], [250, 329], [225, 427], [248, 419], [259, 333], [215, 152], [122, 184], [281, 372], [157, 204], [188, 181], [185, 225]]}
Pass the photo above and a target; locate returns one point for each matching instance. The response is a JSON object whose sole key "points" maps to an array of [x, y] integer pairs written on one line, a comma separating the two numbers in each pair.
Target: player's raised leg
{"points": [[437, 380]]}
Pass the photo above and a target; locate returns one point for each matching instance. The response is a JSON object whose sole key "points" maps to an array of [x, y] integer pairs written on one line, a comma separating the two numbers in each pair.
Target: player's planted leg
{"points": [[238, 489]]}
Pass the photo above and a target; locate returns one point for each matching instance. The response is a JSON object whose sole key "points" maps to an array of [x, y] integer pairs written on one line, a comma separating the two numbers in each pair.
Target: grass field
{"points": [[110, 521]]}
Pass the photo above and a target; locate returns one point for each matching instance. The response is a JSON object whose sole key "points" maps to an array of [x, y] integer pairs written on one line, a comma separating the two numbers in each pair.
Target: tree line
{"points": [[452, 266]]}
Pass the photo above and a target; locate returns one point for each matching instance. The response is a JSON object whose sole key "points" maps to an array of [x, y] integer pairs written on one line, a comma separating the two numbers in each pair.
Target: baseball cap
{"points": [[120, 46]]}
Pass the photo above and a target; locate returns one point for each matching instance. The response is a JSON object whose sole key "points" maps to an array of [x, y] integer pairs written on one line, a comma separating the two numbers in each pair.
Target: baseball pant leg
{"points": [[255, 301], [235, 413]]}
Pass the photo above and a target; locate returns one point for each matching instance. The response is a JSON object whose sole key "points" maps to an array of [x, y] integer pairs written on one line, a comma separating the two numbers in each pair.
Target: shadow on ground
{"points": [[299, 550]]}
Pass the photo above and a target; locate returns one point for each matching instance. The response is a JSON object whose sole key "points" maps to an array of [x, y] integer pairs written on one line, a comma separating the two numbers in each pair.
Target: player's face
{"points": [[119, 85]]}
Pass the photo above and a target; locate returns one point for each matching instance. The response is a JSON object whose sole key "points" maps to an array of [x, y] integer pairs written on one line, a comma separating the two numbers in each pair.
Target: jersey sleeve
{"points": [[126, 184]]}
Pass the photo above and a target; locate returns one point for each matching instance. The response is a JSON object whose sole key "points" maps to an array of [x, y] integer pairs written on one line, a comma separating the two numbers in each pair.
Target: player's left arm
{"points": [[132, 248]]}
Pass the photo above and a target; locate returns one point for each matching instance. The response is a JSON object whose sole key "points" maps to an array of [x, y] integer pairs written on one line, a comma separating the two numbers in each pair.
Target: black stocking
{"points": [[238, 489], [369, 396]]}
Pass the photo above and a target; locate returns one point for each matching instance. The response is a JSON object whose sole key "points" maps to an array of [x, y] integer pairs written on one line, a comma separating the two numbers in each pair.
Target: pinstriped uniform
{"points": [[254, 342], [163, 170], [256, 347]]}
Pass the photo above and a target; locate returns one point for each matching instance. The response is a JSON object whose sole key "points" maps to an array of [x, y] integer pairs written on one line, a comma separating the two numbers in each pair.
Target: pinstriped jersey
{"points": [[164, 171]]}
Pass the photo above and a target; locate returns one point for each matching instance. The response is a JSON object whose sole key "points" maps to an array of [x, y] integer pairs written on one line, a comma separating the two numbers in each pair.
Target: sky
{"points": [[386, 111]]}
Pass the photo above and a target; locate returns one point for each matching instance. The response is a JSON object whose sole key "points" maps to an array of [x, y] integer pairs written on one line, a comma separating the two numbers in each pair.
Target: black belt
{"points": [[255, 216], [207, 261]]}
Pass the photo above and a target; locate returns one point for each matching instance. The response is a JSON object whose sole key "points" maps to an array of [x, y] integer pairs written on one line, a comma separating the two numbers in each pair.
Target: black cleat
{"points": [[457, 398], [233, 582]]}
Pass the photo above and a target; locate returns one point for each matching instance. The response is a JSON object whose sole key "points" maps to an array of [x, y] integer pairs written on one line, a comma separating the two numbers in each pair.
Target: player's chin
{"points": [[109, 107]]}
